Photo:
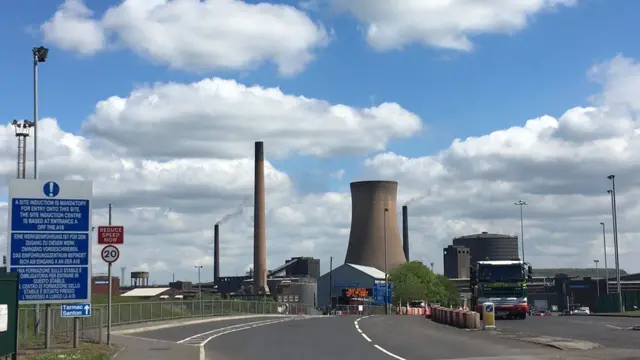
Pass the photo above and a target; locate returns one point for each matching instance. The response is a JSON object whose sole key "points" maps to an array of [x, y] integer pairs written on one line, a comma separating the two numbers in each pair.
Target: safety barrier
{"points": [[413, 311], [456, 317]]}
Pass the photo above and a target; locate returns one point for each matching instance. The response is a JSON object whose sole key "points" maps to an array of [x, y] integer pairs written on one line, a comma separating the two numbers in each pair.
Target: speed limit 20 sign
{"points": [[110, 254]]}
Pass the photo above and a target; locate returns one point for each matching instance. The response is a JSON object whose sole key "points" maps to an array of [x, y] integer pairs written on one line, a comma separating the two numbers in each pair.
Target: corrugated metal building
{"points": [[334, 283]]}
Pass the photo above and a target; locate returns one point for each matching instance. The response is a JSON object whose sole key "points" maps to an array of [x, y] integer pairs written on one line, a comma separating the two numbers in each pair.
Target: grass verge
{"points": [[86, 352]]}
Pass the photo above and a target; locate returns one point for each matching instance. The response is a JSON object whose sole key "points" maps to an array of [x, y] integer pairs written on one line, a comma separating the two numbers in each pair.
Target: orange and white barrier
{"points": [[456, 317]]}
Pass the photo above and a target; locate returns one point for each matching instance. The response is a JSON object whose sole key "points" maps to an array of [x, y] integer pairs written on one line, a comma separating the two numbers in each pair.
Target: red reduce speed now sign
{"points": [[108, 235], [110, 254]]}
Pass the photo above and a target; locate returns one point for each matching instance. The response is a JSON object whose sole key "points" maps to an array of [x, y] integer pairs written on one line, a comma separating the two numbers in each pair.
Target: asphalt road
{"points": [[384, 338], [374, 338], [607, 331], [178, 333]]}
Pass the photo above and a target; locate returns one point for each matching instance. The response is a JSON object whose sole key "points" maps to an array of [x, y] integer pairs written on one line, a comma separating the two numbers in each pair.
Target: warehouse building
{"points": [[342, 283]]}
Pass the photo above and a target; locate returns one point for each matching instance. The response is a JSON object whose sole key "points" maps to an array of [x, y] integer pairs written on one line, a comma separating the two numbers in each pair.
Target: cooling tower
{"points": [[405, 232], [369, 199], [259, 221], [216, 253]]}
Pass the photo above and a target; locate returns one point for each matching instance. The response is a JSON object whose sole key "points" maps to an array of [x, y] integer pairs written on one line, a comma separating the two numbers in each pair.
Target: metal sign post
{"points": [[109, 254], [49, 246]]}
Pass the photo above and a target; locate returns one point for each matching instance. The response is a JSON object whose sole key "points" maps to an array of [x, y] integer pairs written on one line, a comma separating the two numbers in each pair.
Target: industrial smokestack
{"points": [[259, 221], [216, 253], [405, 232], [369, 220]]}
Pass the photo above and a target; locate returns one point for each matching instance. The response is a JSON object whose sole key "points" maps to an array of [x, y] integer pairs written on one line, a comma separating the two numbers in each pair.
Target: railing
{"points": [[91, 328]]}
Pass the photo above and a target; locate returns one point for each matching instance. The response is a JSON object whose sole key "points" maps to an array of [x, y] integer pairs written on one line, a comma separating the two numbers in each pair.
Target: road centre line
{"points": [[357, 326]]}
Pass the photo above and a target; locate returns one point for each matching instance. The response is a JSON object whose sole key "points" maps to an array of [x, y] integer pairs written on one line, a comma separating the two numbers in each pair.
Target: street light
{"points": [[614, 215], [386, 277], [521, 203], [40, 55], [606, 267], [199, 267], [597, 276]]}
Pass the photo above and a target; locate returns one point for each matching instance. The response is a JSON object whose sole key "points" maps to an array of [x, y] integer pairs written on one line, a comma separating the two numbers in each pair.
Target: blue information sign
{"points": [[75, 310], [379, 292], [49, 240]]}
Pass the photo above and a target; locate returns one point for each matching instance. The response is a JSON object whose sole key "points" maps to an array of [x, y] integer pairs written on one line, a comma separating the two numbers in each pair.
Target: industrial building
{"points": [[294, 281], [374, 226], [485, 246], [457, 262], [100, 285], [335, 287]]}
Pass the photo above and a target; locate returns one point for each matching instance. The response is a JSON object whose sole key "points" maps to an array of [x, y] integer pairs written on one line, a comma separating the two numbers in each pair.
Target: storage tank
{"points": [[373, 210], [489, 246]]}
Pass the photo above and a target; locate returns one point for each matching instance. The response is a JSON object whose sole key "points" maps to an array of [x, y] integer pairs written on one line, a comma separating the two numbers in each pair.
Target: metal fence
{"points": [[361, 310], [92, 327]]}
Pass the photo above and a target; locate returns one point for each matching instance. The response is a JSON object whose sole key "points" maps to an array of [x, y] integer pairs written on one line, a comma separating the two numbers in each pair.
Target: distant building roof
{"points": [[575, 272], [369, 270], [501, 262], [145, 292], [486, 235]]}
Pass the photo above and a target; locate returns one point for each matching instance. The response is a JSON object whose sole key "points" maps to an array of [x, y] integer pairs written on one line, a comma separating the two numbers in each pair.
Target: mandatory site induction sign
{"points": [[49, 240]]}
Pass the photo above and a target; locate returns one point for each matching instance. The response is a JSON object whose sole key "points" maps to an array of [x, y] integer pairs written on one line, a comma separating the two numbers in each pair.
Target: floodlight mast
{"points": [[23, 130]]}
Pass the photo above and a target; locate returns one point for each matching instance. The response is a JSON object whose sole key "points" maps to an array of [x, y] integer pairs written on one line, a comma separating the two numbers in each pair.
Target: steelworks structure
{"points": [[259, 224], [374, 231], [485, 246], [405, 231], [216, 253]]}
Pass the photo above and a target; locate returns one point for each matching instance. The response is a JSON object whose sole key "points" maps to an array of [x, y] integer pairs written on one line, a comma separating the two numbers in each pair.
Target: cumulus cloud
{"points": [[193, 35], [173, 169], [222, 118], [559, 166], [169, 197], [448, 24]]}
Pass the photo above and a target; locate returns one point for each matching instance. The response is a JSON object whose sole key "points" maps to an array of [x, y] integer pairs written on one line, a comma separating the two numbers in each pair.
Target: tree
{"points": [[451, 292], [415, 281]]}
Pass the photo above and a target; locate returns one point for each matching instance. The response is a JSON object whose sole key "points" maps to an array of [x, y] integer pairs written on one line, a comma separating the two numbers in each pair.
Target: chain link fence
{"points": [[92, 328]]}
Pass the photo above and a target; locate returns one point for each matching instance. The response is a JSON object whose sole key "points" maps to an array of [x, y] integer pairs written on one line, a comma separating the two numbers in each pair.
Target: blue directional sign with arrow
{"points": [[76, 310]]}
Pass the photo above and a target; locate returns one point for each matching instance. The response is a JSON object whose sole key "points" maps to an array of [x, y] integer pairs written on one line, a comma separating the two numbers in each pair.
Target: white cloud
{"points": [[559, 166], [222, 118], [71, 28], [448, 24], [168, 197], [176, 158], [193, 35]]}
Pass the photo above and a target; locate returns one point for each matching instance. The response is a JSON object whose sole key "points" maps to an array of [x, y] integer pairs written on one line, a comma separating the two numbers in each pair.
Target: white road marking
{"points": [[388, 353], [376, 346], [195, 337]]}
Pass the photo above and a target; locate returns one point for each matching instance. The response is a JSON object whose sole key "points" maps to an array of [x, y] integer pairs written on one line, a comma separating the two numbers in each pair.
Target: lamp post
{"points": [[386, 277], [614, 215], [606, 267], [199, 267], [521, 203], [597, 277], [40, 55]]}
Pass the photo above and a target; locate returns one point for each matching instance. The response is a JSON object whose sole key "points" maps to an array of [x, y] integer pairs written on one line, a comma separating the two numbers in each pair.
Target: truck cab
{"points": [[503, 283]]}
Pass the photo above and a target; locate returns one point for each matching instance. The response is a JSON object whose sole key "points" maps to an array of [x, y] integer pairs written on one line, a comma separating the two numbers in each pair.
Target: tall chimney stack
{"points": [[216, 253], [259, 222], [405, 231]]}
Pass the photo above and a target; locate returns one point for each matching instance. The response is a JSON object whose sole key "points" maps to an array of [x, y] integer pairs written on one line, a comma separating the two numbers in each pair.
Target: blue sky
{"points": [[505, 80], [558, 164]]}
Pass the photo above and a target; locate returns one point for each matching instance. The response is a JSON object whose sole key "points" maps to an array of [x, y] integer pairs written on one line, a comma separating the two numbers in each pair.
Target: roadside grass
{"points": [[86, 352]]}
